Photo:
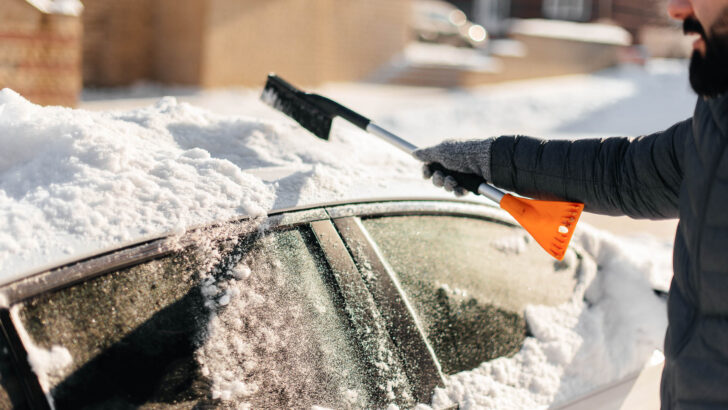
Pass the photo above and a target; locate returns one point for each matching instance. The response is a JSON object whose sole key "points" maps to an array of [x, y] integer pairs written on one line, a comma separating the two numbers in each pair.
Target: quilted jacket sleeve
{"points": [[639, 177]]}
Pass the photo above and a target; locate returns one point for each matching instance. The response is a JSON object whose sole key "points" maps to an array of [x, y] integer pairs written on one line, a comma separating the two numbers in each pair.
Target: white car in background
{"points": [[437, 21]]}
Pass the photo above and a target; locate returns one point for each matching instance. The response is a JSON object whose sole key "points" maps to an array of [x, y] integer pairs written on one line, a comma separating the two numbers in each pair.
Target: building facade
{"points": [[213, 43]]}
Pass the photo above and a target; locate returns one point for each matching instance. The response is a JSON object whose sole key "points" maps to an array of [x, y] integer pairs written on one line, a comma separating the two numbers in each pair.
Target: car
{"points": [[345, 305], [436, 21]]}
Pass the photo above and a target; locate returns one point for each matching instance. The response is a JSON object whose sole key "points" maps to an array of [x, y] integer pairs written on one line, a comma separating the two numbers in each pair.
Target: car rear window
{"points": [[251, 323], [469, 280]]}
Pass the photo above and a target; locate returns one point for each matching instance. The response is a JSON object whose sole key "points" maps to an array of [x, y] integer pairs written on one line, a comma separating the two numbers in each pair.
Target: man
{"points": [[680, 172]]}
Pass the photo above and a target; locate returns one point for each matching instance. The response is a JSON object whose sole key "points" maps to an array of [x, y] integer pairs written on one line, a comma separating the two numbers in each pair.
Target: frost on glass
{"points": [[287, 348], [239, 324], [469, 281], [130, 335]]}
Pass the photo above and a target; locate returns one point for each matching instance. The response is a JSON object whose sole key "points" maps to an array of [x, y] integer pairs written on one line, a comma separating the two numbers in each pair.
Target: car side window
{"points": [[468, 281], [249, 323], [122, 339]]}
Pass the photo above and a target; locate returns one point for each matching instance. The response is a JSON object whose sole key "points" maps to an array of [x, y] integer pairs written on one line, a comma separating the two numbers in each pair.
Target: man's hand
{"points": [[469, 157]]}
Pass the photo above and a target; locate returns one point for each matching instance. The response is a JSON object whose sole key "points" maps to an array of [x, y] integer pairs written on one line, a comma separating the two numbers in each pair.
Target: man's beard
{"points": [[709, 72]]}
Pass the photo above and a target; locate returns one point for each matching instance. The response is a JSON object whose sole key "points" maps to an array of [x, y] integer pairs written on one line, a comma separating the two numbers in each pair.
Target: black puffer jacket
{"points": [[681, 172]]}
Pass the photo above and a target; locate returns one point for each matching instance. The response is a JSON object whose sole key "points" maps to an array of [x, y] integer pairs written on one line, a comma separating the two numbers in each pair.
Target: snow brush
{"points": [[550, 223]]}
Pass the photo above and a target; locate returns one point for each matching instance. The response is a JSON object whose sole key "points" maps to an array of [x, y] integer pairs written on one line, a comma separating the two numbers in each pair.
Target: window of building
{"points": [[574, 10]]}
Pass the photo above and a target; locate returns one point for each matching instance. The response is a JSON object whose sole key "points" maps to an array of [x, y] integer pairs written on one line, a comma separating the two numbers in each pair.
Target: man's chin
{"points": [[709, 73], [709, 66]]}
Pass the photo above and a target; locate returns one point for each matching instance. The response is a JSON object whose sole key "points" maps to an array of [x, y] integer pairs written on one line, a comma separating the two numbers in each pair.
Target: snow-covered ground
{"points": [[130, 165]]}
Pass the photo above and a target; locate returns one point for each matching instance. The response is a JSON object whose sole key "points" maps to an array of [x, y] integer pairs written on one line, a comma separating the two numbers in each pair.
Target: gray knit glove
{"points": [[467, 157]]}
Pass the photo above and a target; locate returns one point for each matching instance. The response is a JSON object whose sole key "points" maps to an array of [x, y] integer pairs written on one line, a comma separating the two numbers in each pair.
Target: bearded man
{"points": [[680, 172]]}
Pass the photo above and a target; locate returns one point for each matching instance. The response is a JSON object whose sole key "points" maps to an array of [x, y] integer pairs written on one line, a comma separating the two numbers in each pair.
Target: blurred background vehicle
{"points": [[437, 21]]}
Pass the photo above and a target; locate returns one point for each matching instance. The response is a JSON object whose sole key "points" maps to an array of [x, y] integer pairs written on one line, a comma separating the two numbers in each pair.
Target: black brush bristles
{"points": [[314, 112], [295, 103]]}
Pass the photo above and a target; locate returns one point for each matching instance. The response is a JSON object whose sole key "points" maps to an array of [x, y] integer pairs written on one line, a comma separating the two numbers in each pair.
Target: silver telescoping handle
{"points": [[488, 191], [398, 142]]}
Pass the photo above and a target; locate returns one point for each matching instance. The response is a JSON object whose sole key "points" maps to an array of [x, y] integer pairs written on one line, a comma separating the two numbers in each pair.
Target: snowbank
{"points": [[566, 30], [441, 55], [66, 7]]}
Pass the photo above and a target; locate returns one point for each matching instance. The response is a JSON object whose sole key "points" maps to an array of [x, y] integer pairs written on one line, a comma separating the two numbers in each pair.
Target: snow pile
{"points": [[449, 56], [66, 7], [613, 324], [74, 182], [566, 30], [46, 363]]}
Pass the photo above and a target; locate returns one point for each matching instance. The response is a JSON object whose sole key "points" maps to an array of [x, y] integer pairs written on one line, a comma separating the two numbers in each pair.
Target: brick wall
{"points": [[363, 34], [303, 40], [633, 16], [40, 54], [248, 38], [179, 39]]}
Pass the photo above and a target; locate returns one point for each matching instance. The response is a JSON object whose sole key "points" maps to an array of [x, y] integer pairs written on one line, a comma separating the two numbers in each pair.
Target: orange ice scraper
{"points": [[551, 223]]}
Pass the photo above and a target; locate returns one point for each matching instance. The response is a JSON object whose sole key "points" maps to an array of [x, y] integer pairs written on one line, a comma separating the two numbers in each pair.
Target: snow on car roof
{"points": [[75, 180]]}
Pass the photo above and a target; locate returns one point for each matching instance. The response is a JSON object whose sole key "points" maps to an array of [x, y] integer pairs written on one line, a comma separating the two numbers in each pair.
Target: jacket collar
{"points": [[719, 110]]}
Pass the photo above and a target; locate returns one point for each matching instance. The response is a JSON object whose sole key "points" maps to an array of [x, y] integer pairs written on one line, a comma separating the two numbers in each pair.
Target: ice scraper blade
{"points": [[550, 223]]}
